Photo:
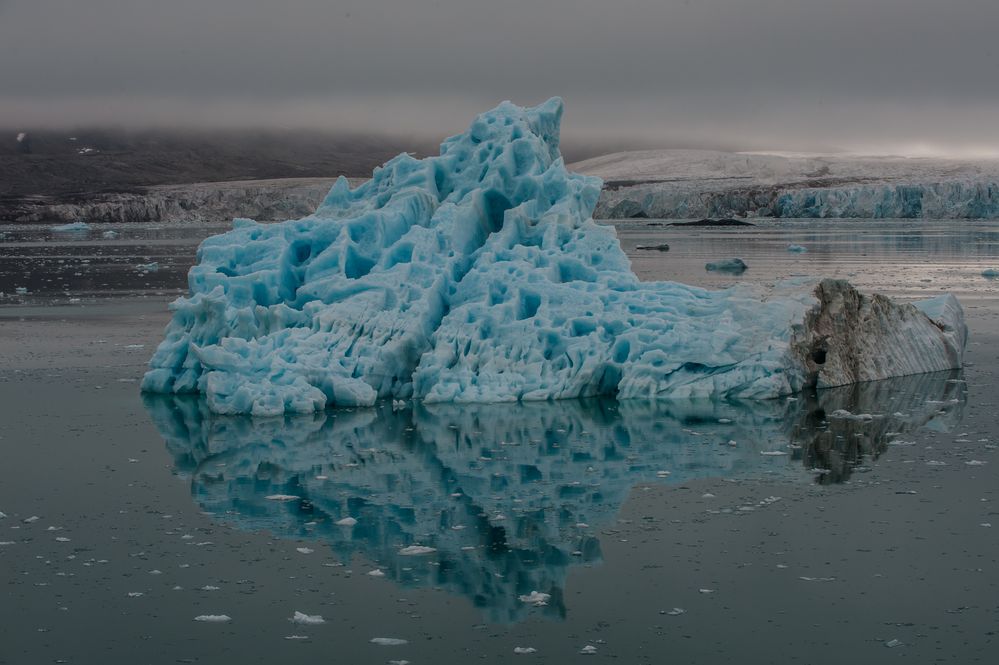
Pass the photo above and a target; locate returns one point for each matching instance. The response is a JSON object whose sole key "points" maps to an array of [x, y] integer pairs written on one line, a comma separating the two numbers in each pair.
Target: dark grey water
{"points": [[779, 531]]}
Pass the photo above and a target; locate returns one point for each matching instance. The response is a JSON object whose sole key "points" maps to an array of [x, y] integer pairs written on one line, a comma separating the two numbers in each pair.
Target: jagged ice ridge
{"points": [[479, 275]]}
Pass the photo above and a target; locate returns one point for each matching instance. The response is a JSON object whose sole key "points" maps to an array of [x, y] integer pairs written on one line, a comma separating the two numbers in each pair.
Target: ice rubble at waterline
{"points": [[479, 275]]}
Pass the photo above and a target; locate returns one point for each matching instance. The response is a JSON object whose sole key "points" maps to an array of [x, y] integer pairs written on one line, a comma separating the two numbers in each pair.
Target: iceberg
{"points": [[479, 275]]}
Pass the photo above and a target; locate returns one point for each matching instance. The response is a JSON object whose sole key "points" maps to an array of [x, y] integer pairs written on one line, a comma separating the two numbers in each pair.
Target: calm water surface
{"points": [[850, 524]]}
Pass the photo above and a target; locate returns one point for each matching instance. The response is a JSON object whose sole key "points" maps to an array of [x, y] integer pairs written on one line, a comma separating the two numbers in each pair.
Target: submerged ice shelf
{"points": [[479, 275]]}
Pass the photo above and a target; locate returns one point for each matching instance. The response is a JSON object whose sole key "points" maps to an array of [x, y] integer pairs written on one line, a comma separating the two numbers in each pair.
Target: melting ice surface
{"points": [[479, 275], [502, 499]]}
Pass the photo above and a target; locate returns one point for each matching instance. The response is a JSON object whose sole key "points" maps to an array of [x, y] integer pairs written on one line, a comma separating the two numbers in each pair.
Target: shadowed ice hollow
{"points": [[479, 275]]}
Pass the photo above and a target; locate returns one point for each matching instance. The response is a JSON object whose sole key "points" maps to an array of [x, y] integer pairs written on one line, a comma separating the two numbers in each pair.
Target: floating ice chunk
{"points": [[377, 573], [891, 644], [975, 462], [3, 515], [416, 550], [7, 542], [479, 275], [135, 594], [676, 611], [817, 579], [706, 590], [797, 249], [524, 650], [152, 266], [282, 497], [535, 598], [773, 453], [307, 619], [588, 650], [72, 226], [661, 247], [388, 641], [213, 618], [296, 637], [304, 550], [346, 521], [109, 235], [734, 266], [31, 520]]}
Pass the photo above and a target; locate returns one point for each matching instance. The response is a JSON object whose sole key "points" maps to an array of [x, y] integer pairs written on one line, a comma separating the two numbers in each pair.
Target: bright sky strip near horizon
{"points": [[869, 75]]}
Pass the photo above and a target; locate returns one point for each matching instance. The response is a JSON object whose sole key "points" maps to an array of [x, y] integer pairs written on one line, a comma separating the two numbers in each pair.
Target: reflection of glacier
{"points": [[510, 495]]}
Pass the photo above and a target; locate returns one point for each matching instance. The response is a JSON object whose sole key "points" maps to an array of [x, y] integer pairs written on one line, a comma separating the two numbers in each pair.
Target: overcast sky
{"points": [[867, 75]]}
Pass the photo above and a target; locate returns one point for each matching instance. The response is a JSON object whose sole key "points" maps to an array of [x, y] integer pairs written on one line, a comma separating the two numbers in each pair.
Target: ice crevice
{"points": [[479, 275]]}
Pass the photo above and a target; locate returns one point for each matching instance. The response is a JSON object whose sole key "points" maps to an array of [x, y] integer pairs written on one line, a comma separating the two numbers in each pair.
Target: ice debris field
{"points": [[479, 275]]}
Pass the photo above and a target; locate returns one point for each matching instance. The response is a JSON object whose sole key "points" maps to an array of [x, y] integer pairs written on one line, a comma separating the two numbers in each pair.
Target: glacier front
{"points": [[479, 275]]}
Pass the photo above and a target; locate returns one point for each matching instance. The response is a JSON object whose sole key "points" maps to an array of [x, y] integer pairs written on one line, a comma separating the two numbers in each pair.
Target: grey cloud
{"points": [[789, 73]]}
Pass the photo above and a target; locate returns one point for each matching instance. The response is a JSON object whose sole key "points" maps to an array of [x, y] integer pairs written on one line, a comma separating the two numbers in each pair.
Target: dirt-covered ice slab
{"points": [[479, 276]]}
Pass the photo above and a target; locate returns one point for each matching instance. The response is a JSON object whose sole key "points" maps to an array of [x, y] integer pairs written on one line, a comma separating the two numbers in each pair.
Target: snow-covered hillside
{"points": [[701, 183]]}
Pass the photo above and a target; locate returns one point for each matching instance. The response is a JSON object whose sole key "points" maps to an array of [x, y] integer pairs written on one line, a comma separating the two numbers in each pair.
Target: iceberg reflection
{"points": [[510, 495]]}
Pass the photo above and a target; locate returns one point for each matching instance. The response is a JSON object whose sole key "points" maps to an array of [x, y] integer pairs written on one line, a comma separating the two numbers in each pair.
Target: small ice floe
{"points": [[536, 598], [346, 521], [398, 662], [31, 520], [72, 226], [282, 497], [676, 611], [773, 453], [135, 346], [152, 266], [109, 235], [62, 539], [817, 579], [707, 495], [296, 637], [661, 247], [135, 594], [388, 641], [21, 290], [2, 515], [990, 273], [934, 462], [524, 650], [7, 542], [706, 590], [213, 618], [976, 462], [891, 644], [416, 550], [304, 550], [209, 587], [987, 525], [307, 619], [843, 413], [797, 249], [155, 571], [377, 573], [662, 474], [588, 650], [398, 404], [733, 266]]}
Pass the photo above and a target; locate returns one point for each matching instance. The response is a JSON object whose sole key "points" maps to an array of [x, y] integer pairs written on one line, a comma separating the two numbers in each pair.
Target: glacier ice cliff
{"points": [[701, 183], [479, 275]]}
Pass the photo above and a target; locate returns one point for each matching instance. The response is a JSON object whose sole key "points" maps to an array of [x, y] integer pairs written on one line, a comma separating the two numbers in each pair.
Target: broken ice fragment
{"points": [[307, 619], [388, 641], [733, 266], [213, 618], [346, 521], [535, 598], [416, 550]]}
